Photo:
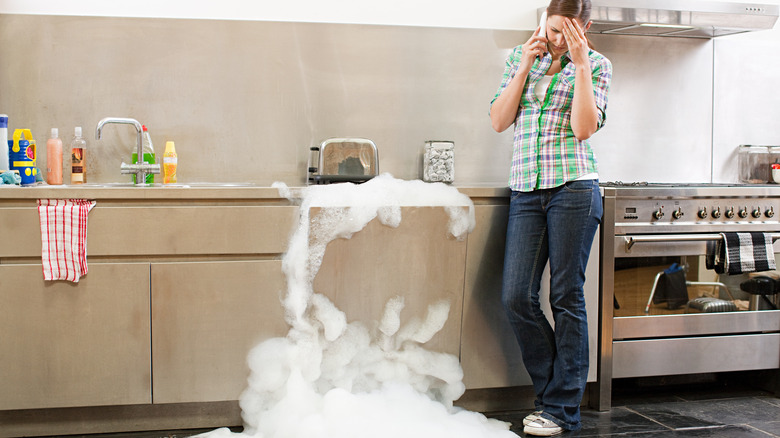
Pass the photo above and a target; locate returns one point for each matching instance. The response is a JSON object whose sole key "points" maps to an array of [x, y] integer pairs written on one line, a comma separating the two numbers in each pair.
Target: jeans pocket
{"points": [[579, 186]]}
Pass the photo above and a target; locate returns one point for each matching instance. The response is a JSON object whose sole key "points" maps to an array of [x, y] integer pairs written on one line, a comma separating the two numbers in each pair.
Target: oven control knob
{"points": [[658, 214], [677, 214], [756, 213], [770, 212], [730, 212], [743, 212], [703, 213], [716, 213]]}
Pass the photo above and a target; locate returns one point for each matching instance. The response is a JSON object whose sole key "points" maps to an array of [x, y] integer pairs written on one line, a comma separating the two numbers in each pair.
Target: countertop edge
{"points": [[184, 193]]}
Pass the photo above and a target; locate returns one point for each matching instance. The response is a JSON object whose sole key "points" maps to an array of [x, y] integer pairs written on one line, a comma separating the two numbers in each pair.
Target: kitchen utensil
{"points": [[343, 160]]}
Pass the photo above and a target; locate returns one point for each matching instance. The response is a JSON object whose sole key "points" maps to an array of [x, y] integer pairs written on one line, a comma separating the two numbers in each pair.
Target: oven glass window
{"points": [[672, 285]]}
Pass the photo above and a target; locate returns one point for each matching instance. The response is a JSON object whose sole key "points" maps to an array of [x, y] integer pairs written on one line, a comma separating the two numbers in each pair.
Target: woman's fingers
{"points": [[573, 34]]}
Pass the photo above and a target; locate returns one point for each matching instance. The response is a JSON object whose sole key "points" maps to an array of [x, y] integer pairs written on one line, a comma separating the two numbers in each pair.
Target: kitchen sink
{"points": [[206, 185]]}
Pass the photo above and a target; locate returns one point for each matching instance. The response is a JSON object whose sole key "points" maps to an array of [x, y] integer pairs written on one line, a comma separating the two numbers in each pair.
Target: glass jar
{"points": [[439, 161], [755, 163]]}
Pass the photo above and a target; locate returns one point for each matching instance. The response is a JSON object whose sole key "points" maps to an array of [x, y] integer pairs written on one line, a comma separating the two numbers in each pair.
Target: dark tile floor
{"points": [[720, 406], [724, 407]]}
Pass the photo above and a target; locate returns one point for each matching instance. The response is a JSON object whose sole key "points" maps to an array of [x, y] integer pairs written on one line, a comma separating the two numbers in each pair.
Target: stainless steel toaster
{"points": [[343, 160]]}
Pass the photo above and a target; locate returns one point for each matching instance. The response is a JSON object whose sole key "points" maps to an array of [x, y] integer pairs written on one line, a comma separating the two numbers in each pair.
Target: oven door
{"points": [[688, 319]]}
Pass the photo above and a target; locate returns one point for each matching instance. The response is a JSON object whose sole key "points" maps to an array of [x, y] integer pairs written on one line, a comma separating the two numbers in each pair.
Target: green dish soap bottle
{"points": [[148, 151]]}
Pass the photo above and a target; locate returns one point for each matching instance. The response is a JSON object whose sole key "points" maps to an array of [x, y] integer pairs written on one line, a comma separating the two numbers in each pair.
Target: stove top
{"points": [[622, 184], [644, 207]]}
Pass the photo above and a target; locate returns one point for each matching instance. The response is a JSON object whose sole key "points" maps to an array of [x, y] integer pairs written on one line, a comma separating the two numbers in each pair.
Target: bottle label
{"points": [[169, 169], [77, 165]]}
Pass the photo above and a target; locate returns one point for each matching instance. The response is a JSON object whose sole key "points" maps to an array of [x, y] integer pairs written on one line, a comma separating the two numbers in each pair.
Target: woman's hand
{"points": [[584, 113], [504, 109], [536, 46], [577, 43]]}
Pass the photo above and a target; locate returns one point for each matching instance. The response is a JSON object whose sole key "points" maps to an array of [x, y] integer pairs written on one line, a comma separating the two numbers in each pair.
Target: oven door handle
{"points": [[631, 240]]}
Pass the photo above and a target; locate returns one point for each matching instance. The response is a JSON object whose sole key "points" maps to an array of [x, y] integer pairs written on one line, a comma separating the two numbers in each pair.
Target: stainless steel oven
{"points": [[646, 229]]}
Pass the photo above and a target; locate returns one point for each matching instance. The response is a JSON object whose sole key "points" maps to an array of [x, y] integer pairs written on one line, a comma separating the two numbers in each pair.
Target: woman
{"points": [[554, 90]]}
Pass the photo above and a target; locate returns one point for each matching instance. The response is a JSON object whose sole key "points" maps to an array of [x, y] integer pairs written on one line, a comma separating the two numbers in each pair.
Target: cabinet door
{"points": [[418, 260], [490, 354], [68, 344], [206, 317]]}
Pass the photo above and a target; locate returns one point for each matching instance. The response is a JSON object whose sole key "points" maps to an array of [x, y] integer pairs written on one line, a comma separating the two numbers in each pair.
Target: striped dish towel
{"points": [[739, 253], [64, 238]]}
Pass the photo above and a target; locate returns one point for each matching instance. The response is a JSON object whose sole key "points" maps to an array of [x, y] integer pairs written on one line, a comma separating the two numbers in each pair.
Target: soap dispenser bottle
{"points": [[78, 158], [54, 159], [170, 161], [148, 151]]}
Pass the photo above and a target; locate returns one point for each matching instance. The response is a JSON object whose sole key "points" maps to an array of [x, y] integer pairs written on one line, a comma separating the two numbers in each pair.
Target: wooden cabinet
{"points": [[65, 344], [168, 312], [206, 317], [141, 315]]}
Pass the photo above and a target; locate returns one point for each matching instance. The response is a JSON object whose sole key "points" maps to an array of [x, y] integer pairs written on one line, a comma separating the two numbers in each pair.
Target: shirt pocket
{"points": [[563, 92]]}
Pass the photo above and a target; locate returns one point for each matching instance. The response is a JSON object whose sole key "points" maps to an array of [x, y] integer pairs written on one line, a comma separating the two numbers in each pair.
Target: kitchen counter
{"points": [[174, 270], [196, 191]]}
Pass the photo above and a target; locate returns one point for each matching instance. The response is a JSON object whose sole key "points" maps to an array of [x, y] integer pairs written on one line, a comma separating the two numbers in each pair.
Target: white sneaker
{"points": [[533, 416], [542, 427]]}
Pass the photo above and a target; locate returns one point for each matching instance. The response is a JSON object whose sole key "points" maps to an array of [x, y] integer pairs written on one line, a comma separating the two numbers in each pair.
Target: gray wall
{"points": [[244, 100]]}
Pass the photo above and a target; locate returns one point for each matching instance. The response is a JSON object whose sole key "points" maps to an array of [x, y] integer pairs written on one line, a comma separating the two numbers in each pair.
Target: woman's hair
{"points": [[579, 9]]}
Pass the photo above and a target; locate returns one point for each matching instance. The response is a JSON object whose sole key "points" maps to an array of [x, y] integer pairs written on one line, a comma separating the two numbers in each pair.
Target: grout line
{"points": [[712, 118], [649, 418]]}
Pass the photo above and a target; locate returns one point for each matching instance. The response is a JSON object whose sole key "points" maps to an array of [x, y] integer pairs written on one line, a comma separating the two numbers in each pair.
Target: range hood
{"points": [[680, 18]]}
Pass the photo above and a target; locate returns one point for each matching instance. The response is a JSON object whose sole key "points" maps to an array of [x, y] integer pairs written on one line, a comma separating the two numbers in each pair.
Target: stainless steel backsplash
{"points": [[244, 100]]}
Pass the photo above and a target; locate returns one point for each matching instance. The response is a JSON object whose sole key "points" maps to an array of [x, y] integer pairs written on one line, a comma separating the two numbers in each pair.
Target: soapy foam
{"points": [[331, 378]]}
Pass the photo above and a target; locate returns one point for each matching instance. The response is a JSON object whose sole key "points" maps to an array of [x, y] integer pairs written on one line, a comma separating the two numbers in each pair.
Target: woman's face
{"points": [[556, 41]]}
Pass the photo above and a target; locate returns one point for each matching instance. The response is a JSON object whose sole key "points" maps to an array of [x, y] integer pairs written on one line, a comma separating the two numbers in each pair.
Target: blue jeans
{"points": [[555, 225]]}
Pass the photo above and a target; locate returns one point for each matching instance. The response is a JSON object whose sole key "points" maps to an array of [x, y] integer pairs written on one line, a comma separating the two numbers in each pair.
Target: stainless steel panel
{"points": [[695, 324], [247, 99], [681, 18], [601, 396], [666, 245], [659, 357]]}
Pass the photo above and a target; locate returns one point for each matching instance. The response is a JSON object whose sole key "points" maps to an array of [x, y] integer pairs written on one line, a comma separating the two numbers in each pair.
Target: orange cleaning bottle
{"points": [[169, 163]]}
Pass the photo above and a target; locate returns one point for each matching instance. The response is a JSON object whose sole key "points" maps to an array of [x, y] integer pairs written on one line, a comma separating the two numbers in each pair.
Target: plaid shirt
{"points": [[546, 152]]}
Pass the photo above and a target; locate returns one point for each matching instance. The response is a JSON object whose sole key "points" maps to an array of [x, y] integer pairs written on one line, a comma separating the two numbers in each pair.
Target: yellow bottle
{"points": [[169, 163]]}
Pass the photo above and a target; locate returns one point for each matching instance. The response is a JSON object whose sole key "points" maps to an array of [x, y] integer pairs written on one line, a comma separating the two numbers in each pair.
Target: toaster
{"points": [[353, 160]]}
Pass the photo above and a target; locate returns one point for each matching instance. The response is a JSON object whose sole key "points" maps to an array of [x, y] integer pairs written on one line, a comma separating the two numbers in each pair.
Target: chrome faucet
{"points": [[141, 169]]}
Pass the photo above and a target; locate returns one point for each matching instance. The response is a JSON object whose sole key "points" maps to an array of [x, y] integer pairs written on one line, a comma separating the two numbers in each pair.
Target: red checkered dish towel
{"points": [[64, 237]]}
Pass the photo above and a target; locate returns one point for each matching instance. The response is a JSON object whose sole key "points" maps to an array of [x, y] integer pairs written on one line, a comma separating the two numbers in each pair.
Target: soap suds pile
{"points": [[330, 378]]}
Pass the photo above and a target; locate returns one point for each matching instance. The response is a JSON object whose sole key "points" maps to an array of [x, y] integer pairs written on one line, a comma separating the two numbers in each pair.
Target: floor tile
{"points": [[673, 419], [734, 411], [711, 432], [617, 421], [770, 427]]}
